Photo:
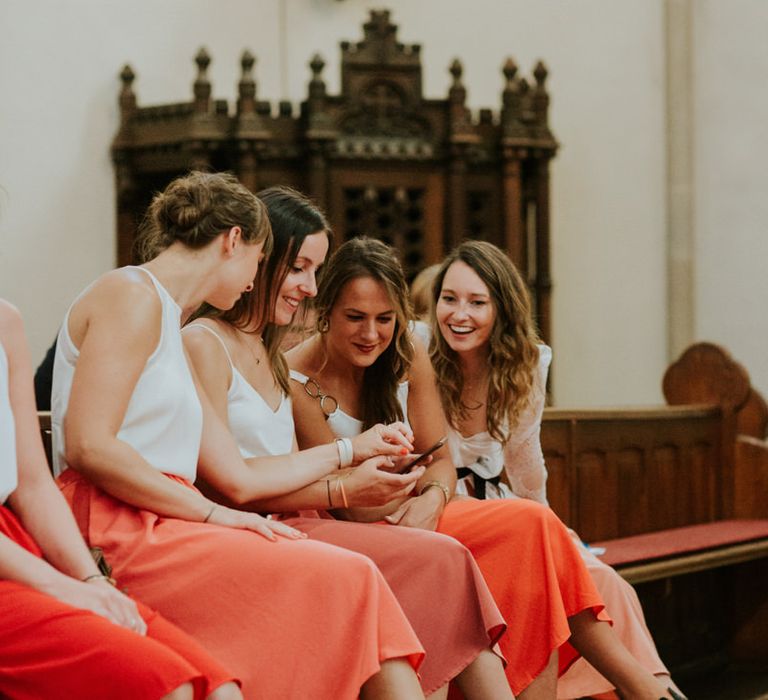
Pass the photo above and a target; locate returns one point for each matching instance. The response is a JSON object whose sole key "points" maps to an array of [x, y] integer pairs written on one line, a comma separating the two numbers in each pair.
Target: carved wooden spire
{"points": [[246, 88], [460, 121], [540, 98], [202, 86], [317, 84], [127, 99]]}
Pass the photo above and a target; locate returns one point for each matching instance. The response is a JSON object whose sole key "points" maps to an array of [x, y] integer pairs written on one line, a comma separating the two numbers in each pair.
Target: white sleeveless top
{"points": [[164, 419], [258, 430], [521, 457], [344, 425], [9, 477]]}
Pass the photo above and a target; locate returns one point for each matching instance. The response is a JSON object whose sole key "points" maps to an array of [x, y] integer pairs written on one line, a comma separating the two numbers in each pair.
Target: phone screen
{"points": [[418, 460]]}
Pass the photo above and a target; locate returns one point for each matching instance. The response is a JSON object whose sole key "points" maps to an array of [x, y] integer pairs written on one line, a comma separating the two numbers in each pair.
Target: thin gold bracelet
{"points": [[99, 577], [439, 484], [210, 513]]}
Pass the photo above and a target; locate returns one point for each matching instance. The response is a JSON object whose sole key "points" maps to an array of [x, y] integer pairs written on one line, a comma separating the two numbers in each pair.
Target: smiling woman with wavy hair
{"points": [[365, 360], [512, 351], [491, 369]]}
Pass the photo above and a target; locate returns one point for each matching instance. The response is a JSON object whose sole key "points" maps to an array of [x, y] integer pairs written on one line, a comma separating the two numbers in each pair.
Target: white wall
{"points": [[58, 68], [731, 170]]}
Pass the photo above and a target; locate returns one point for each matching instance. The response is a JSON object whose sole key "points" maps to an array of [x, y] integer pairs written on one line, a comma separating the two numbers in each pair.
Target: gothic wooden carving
{"points": [[382, 159]]}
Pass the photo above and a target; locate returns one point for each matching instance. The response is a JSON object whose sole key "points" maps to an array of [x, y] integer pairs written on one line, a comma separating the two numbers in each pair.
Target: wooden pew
{"points": [[680, 500]]}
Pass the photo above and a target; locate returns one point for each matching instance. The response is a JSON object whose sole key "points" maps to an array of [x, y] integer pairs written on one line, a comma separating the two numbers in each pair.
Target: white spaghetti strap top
{"points": [[9, 478], [164, 419], [258, 430], [344, 425]]}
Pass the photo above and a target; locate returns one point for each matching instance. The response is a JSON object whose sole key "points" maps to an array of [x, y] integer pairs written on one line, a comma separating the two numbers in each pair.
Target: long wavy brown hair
{"points": [[367, 257], [293, 217], [513, 354]]}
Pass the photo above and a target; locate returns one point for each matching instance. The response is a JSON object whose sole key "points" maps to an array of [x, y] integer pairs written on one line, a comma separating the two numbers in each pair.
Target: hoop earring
{"points": [[323, 324]]}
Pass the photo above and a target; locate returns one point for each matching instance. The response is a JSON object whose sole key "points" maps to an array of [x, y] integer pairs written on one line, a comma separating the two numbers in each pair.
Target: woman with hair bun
{"points": [[289, 617], [67, 632]]}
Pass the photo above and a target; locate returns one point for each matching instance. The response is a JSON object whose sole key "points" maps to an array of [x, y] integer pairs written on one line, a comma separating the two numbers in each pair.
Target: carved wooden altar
{"points": [[381, 158]]}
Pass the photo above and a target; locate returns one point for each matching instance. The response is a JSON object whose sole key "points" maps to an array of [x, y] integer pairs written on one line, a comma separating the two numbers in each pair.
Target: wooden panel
{"points": [[634, 471]]}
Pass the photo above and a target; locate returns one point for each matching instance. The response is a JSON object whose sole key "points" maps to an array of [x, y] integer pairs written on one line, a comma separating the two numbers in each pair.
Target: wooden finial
{"points": [[246, 88], [202, 86], [127, 99]]}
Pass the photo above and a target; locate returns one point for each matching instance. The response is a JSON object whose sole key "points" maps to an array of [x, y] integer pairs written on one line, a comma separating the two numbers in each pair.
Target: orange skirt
{"points": [[622, 604], [421, 566], [293, 619], [535, 573], [49, 649]]}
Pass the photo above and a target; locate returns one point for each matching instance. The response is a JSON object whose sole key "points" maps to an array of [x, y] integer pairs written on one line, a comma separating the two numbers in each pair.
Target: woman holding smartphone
{"points": [[366, 358], [237, 356], [290, 617]]}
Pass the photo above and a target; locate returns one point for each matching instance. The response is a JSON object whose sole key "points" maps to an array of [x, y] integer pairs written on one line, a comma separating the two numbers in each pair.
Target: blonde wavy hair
{"points": [[513, 352], [368, 257]]}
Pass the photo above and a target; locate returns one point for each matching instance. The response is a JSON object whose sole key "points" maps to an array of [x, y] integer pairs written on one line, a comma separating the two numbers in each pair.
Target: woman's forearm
{"points": [[118, 469], [314, 496], [42, 510], [18, 564], [284, 475]]}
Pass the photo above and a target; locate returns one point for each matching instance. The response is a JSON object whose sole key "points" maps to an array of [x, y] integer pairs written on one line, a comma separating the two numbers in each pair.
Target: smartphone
{"points": [[416, 462]]}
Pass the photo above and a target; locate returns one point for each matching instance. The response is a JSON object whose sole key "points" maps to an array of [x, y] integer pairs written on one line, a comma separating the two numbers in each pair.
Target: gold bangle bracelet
{"points": [[440, 485]]}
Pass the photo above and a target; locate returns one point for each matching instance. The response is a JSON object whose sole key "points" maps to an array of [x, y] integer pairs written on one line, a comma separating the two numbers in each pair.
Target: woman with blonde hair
{"points": [[491, 369], [365, 357], [237, 355], [291, 618]]}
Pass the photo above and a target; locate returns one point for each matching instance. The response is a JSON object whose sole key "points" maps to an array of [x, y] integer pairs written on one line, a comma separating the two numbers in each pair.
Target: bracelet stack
{"points": [[339, 488], [346, 453]]}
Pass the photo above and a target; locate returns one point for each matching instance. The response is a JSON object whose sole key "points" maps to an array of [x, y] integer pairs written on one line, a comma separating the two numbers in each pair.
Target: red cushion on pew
{"points": [[680, 540]]}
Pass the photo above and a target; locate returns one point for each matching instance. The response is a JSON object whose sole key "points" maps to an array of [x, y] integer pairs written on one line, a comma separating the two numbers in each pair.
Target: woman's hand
{"points": [[369, 485], [421, 511], [394, 439], [102, 598], [266, 527]]}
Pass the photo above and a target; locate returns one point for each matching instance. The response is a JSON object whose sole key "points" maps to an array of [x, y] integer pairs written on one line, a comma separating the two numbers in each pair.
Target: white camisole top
{"points": [[164, 419], [258, 430], [344, 425], [8, 466]]}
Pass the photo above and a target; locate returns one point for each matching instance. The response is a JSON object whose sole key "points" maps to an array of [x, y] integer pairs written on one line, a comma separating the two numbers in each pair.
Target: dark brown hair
{"points": [[367, 257], [293, 217]]}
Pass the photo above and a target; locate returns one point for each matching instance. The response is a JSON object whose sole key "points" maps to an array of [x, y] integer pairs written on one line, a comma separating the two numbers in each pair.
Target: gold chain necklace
{"points": [[251, 350]]}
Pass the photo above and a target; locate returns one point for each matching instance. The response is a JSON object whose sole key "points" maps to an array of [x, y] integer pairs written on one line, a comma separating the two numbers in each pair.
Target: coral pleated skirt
{"points": [[535, 573], [621, 603], [292, 619], [49, 649], [423, 568]]}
